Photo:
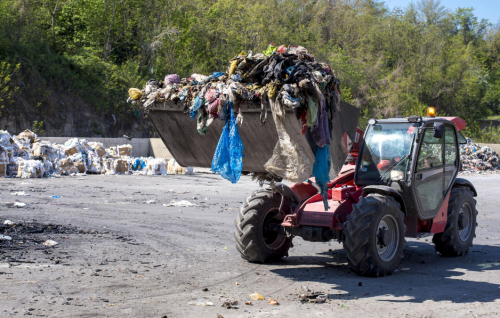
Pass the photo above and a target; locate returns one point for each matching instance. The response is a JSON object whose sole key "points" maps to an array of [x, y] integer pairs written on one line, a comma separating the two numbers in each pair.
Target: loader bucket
{"points": [[189, 148]]}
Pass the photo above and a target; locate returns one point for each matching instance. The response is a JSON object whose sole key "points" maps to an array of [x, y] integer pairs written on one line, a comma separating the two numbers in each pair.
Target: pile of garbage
{"points": [[25, 156], [280, 78], [478, 159]]}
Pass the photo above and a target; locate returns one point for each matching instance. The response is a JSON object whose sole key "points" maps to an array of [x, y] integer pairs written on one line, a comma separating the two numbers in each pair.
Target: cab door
{"points": [[429, 177]]}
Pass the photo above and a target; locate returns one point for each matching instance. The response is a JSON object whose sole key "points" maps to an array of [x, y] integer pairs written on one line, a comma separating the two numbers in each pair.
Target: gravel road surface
{"points": [[122, 253]]}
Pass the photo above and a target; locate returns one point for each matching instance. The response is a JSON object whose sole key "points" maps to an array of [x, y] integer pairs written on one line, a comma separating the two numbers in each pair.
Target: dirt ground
{"points": [[122, 255]]}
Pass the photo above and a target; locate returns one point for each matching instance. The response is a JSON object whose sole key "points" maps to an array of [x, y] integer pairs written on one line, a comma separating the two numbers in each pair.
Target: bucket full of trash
{"points": [[267, 113]]}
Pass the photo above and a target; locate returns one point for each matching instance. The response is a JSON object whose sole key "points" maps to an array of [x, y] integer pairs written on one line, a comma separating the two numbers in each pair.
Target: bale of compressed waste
{"points": [[21, 158]]}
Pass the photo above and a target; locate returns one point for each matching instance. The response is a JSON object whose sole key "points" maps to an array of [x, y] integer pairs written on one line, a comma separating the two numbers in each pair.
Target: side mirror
{"points": [[438, 130]]}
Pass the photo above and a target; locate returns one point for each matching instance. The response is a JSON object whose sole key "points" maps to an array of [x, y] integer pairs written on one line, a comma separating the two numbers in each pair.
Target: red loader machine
{"points": [[400, 180]]}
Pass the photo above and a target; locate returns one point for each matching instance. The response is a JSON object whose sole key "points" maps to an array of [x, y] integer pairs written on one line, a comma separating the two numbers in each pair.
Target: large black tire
{"points": [[254, 242], [461, 225], [374, 236]]}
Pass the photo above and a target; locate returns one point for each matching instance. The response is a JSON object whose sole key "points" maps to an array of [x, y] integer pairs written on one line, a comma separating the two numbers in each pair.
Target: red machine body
{"points": [[343, 193]]}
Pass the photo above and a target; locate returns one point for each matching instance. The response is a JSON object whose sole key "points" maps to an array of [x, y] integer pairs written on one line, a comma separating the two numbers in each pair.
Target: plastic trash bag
{"points": [[198, 102], [134, 93], [228, 156], [321, 169], [289, 160], [139, 164]]}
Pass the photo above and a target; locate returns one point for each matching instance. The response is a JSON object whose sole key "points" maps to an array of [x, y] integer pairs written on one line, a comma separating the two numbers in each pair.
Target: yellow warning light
{"points": [[431, 112]]}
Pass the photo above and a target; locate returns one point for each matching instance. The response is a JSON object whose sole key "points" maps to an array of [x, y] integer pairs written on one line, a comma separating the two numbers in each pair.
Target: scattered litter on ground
{"points": [[321, 298], [149, 202], [182, 203], [204, 289], [230, 304], [56, 197], [256, 296], [310, 296], [19, 205], [248, 303], [200, 302], [8, 222], [20, 194], [50, 243], [272, 301], [5, 238]]}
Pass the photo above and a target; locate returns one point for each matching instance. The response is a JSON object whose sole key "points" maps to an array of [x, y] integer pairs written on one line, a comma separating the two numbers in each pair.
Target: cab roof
{"points": [[459, 122]]}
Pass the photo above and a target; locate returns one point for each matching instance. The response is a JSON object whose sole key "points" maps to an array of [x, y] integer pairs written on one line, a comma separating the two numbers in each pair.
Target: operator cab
{"points": [[419, 157]]}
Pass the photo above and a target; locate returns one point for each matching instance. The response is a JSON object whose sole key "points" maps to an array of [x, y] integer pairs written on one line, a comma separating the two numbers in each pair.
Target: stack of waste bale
{"points": [[478, 159], [25, 156], [280, 78]]}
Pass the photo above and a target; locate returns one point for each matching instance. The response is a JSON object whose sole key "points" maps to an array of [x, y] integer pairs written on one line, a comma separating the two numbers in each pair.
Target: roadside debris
{"points": [[272, 301], [8, 222], [182, 203], [248, 303], [230, 304], [50, 243], [200, 302], [310, 296], [19, 205], [256, 296], [20, 193], [5, 238]]}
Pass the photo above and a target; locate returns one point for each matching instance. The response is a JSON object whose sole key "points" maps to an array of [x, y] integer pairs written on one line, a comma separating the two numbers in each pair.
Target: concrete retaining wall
{"points": [[141, 147]]}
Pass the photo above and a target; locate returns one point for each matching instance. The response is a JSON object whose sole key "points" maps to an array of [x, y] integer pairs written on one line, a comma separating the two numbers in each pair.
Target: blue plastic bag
{"points": [[228, 156], [321, 170], [139, 164], [198, 102]]}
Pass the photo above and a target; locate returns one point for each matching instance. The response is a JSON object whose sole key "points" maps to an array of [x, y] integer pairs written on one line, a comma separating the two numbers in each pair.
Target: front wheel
{"points": [[461, 225], [257, 228], [374, 236]]}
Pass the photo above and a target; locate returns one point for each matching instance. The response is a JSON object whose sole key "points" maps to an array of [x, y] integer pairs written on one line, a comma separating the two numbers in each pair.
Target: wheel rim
{"points": [[387, 238], [273, 240], [465, 222]]}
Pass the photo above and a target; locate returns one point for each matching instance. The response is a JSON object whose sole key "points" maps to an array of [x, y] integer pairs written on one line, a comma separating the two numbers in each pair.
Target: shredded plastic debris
{"points": [[20, 193], [50, 243], [256, 296], [182, 203], [200, 302], [230, 304]]}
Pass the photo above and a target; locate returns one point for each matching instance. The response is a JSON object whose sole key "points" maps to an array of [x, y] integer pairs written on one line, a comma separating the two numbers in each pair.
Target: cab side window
{"points": [[431, 155], [450, 146]]}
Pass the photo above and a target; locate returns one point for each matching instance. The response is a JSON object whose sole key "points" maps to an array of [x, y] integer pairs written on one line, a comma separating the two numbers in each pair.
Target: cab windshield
{"points": [[387, 146]]}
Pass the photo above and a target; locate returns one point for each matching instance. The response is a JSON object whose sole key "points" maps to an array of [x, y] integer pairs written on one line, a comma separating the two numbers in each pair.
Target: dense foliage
{"points": [[391, 63]]}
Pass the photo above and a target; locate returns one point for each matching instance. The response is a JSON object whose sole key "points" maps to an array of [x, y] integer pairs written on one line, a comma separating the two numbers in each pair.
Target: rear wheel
{"points": [[461, 225], [257, 236], [374, 234]]}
